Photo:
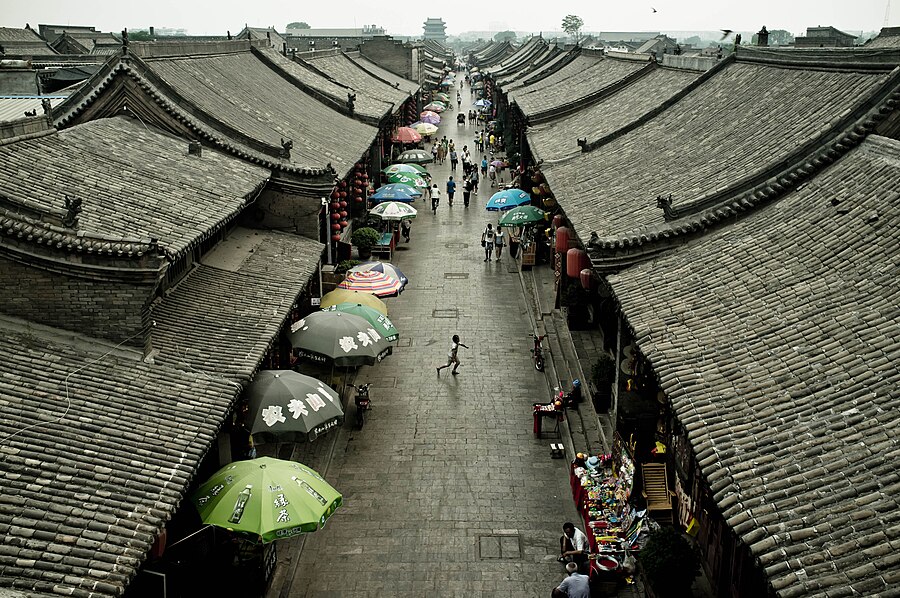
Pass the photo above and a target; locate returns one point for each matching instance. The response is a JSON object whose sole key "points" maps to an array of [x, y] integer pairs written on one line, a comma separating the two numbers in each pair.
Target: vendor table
{"points": [[385, 245], [542, 410]]}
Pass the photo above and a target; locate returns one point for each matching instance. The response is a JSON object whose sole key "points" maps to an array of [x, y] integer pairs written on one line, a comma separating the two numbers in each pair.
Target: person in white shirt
{"points": [[452, 356], [487, 241], [575, 585], [573, 545]]}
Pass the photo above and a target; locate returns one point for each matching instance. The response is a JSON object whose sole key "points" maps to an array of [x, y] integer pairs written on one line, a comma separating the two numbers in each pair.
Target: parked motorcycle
{"points": [[362, 405], [537, 353]]}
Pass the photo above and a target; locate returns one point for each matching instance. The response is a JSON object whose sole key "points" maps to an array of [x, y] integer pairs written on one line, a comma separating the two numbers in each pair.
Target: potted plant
{"points": [[345, 265], [603, 373], [670, 563], [365, 239]]}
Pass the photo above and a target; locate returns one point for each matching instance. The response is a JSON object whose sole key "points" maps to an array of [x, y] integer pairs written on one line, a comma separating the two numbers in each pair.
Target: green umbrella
{"points": [[380, 321], [266, 499], [522, 215], [407, 169], [286, 405], [407, 179]]}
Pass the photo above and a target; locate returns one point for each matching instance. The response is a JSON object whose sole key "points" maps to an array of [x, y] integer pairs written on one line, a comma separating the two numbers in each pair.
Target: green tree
{"points": [[298, 25], [505, 36], [139, 36], [777, 37], [572, 25]]}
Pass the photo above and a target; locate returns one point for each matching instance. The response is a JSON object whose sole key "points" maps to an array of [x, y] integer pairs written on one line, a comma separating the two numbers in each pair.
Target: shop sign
{"points": [[318, 430], [315, 301]]}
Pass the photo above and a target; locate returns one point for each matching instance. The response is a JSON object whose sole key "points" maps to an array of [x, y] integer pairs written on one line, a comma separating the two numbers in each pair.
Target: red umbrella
{"points": [[406, 135]]}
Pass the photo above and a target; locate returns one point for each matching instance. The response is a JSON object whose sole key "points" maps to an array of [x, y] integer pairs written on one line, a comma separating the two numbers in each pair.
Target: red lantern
{"points": [[344, 223], [335, 206], [342, 184], [335, 237], [343, 194], [358, 199], [557, 221], [335, 227], [343, 203], [335, 194], [576, 261], [335, 216], [343, 213], [587, 278], [562, 239]]}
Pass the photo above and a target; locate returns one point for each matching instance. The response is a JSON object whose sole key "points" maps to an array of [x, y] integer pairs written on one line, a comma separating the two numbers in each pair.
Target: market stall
{"points": [[602, 488]]}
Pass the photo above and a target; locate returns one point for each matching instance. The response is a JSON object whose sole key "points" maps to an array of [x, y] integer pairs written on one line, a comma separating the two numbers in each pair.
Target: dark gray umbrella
{"points": [[415, 156], [338, 338], [289, 406]]}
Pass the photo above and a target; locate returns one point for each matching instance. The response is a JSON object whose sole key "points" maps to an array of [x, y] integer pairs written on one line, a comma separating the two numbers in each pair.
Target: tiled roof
{"points": [[392, 79], [740, 123], [561, 59], [567, 86], [223, 316], [777, 340], [523, 54], [551, 56], [340, 68], [95, 457], [14, 108], [241, 91], [556, 139], [101, 160], [889, 37], [329, 89], [22, 42]]}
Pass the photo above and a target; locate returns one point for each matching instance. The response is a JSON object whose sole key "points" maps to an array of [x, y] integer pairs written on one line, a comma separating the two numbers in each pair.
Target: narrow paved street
{"points": [[446, 490]]}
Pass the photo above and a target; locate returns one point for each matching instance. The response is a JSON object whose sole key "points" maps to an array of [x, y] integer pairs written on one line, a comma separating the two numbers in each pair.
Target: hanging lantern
{"points": [[335, 227], [344, 214], [342, 184], [335, 206], [558, 221], [344, 223], [587, 278], [576, 261], [335, 237], [335, 216], [343, 203], [562, 239], [343, 194], [335, 194], [358, 199]]}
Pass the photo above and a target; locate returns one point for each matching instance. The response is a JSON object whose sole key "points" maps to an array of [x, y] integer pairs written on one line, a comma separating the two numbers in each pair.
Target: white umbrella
{"points": [[392, 210]]}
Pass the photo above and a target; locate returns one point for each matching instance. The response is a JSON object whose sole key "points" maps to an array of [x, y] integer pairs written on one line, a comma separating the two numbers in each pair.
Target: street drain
{"points": [[445, 313], [456, 245], [452, 222], [499, 547], [404, 342], [456, 275]]}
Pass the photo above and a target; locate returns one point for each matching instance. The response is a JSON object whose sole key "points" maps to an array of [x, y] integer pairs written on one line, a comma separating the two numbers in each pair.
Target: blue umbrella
{"points": [[396, 192], [483, 103], [507, 200]]}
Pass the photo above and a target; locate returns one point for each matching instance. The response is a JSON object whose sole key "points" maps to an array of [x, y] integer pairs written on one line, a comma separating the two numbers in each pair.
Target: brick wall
{"points": [[389, 54], [102, 309], [284, 211]]}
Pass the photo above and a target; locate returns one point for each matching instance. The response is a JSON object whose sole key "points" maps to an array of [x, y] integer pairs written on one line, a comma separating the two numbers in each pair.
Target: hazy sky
{"points": [[406, 17]]}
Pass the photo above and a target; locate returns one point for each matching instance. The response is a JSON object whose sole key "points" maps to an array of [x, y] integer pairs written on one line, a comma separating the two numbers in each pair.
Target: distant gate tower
{"points": [[436, 29]]}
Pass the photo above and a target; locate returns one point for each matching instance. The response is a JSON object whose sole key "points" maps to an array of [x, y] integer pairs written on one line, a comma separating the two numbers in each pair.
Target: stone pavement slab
{"points": [[446, 490]]}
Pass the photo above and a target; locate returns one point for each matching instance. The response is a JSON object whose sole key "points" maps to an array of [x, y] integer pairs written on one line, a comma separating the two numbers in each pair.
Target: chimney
{"points": [[762, 37], [152, 31]]}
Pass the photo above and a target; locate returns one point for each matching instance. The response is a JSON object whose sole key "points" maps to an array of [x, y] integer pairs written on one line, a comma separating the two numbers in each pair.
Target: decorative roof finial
{"points": [[73, 209], [665, 202], [286, 146]]}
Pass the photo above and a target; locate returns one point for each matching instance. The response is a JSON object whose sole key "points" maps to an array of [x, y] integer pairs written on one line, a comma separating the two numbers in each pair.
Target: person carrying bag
{"points": [[487, 241]]}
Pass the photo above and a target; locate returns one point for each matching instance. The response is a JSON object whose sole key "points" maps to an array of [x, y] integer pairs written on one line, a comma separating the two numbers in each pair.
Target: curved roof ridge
{"points": [[161, 94]]}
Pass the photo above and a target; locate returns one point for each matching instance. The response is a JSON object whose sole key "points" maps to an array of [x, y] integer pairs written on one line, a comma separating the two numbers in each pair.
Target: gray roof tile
{"points": [[80, 522], [798, 412]]}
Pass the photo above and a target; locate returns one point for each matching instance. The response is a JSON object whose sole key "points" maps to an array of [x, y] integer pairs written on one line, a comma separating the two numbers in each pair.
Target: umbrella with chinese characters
{"points": [[287, 405], [341, 339], [341, 296], [396, 192], [413, 169], [370, 281], [415, 156], [507, 200], [381, 322], [522, 215], [392, 210], [413, 180], [266, 499]]}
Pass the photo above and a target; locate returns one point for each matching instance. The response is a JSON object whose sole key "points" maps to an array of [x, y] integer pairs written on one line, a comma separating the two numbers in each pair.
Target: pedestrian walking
{"points": [[467, 191], [484, 165], [487, 241], [474, 178], [434, 152], [441, 153], [452, 356], [451, 190], [492, 174], [435, 198], [454, 159], [499, 241]]}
